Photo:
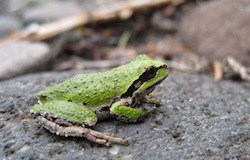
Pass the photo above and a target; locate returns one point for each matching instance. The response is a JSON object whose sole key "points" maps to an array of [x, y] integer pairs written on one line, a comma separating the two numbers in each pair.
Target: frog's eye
{"points": [[151, 72]]}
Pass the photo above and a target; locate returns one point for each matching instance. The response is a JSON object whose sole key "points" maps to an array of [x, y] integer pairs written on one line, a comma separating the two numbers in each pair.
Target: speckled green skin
{"points": [[131, 113], [86, 92], [65, 109]]}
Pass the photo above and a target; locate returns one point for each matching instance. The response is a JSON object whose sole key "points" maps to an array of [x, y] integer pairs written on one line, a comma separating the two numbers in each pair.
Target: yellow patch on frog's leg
{"points": [[77, 131]]}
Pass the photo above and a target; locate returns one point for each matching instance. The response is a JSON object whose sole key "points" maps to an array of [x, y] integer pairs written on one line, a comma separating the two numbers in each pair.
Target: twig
{"points": [[218, 74], [180, 66], [123, 41], [123, 10], [238, 68], [101, 64]]}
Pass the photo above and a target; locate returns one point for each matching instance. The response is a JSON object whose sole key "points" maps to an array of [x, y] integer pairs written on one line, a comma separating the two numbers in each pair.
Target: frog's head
{"points": [[151, 73], [154, 72]]}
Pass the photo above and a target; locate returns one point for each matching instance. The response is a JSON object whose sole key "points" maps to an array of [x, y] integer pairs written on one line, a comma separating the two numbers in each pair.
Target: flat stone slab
{"points": [[199, 118]]}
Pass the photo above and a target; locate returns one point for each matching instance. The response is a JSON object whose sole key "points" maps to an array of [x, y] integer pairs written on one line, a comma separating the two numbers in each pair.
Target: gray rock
{"points": [[21, 57], [9, 24], [4, 6], [199, 118], [217, 29]]}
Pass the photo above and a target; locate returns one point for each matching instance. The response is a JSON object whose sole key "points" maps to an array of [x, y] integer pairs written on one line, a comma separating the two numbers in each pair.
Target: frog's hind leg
{"points": [[66, 118], [67, 111], [77, 131]]}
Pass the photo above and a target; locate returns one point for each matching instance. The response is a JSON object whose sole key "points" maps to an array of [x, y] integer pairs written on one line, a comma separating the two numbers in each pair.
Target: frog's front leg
{"points": [[77, 131], [123, 112]]}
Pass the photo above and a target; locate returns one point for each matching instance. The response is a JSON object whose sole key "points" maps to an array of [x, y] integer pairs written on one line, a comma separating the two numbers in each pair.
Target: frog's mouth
{"points": [[146, 76]]}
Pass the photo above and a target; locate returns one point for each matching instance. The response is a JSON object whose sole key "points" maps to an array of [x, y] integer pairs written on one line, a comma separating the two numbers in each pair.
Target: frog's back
{"points": [[96, 88]]}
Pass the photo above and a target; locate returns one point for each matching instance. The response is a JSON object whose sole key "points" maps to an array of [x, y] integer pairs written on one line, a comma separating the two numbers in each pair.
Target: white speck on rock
{"points": [[114, 150], [127, 157]]}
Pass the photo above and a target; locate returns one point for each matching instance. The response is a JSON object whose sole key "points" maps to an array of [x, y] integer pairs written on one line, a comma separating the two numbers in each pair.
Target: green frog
{"points": [[72, 107]]}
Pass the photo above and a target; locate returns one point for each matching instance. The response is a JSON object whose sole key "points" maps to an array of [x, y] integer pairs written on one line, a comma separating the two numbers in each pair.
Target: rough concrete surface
{"points": [[199, 118]]}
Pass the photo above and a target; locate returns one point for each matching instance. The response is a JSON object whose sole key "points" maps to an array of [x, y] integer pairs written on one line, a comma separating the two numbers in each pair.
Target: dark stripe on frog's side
{"points": [[142, 78], [140, 96]]}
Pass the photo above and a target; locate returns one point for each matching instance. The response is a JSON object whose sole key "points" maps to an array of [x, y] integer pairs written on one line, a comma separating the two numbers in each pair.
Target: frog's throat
{"points": [[141, 80]]}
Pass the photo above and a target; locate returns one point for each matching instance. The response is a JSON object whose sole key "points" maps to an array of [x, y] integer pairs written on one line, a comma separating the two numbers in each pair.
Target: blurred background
{"points": [[195, 36]]}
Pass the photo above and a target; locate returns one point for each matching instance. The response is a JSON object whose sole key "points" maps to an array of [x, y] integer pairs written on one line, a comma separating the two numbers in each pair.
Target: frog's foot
{"points": [[151, 95], [77, 131], [151, 101]]}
